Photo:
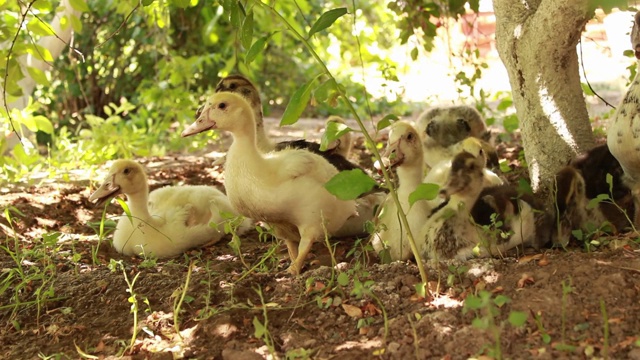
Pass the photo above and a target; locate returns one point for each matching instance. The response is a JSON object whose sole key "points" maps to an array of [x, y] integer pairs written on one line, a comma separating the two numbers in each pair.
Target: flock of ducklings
{"points": [[476, 214]]}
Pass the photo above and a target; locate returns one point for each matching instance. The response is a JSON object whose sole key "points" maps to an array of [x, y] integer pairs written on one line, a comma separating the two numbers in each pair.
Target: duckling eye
{"points": [[232, 86], [222, 106], [127, 171], [410, 136]]}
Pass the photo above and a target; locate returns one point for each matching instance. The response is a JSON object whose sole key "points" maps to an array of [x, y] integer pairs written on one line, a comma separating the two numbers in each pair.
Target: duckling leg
{"points": [[307, 237]]}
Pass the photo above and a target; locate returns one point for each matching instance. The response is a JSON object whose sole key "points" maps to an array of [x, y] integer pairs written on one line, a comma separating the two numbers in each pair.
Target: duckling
{"points": [[240, 85], [167, 221], [594, 166], [442, 128], [284, 189], [571, 205], [439, 173], [623, 135], [462, 226], [405, 154]]}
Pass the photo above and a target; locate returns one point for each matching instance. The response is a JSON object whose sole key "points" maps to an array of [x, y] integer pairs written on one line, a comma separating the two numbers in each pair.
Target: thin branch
{"points": [[6, 72], [587, 80], [126, 19]]}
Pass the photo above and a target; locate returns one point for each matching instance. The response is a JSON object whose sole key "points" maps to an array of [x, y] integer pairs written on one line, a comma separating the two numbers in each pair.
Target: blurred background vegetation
{"points": [[136, 71]]}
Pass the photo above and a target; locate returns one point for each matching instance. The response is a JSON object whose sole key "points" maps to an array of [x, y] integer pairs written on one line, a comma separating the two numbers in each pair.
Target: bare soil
{"points": [[578, 304]]}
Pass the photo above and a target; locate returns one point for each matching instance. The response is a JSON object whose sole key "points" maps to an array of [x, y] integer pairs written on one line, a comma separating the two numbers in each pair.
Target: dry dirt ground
{"points": [[573, 304]]}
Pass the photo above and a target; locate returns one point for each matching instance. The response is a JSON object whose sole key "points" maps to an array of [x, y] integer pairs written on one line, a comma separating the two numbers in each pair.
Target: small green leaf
{"points": [[421, 289], [424, 191], [39, 28], [586, 89], [327, 19], [386, 121], [79, 5], [76, 24], [325, 90], [38, 75], [182, 4], [472, 302], [343, 279], [259, 328], [125, 208], [500, 300], [297, 103], [334, 131], [349, 184], [414, 53], [147, 2], [577, 234], [524, 187], [546, 338], [504, 104], [480, 323], [609, 180], [510, 123], [256, 48], [504, 166], [246, 35], [518, 318], [593, 203], [43, 124]]}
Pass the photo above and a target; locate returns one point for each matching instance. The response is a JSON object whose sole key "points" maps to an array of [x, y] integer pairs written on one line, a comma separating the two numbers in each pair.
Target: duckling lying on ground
{"points": [[167, 221], [442, 128], [284, 189], [462, 226], [405, 154], [623, 135]]}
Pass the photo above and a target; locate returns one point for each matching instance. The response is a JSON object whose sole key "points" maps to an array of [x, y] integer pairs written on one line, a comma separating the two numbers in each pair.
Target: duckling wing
{"points": [[296, 163]]}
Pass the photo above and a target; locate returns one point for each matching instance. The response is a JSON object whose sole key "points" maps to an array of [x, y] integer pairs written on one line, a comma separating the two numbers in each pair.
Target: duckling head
{"points": [[344, 144], [466, 174], [224, 111], [446, 126], [125, 177], [403, 146], [241, 85]]}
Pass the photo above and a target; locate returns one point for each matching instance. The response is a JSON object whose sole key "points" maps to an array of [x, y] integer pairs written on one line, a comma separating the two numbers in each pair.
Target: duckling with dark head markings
{"points": [[623, 134], [461, 227], [442, 128], [285, 188]]}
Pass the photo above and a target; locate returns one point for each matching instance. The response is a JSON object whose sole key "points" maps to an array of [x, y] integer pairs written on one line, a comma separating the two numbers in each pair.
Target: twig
{"points": [[126, 19], [587, 80]]}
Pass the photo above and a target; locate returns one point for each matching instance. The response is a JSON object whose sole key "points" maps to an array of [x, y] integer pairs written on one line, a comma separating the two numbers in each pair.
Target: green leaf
{"points": [[609, 180], [327, 19], [43, 124], [76, 24], [246, 34], [297, 103], [324, 90], [125, 208], [593, 203], [343, 279], [500, 300], [480, 323], [414, 53], [38, 75], [510, 123], [147, 2], [256, 49], [472, 302], [182, 4], [39, 52], [259, 328], [424, 191], [349, 184], [79, 5], [386, 121], [518, 318], [39, 28], [333, 132], [586, 89], [504, 104]]}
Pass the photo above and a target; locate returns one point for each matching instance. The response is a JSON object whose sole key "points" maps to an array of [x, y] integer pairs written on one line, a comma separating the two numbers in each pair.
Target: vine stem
{"points": [[368, 138]]}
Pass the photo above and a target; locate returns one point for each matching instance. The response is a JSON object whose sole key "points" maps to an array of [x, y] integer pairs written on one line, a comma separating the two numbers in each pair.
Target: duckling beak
{"points": [[393, 157], [106, 191], [203, 123]]}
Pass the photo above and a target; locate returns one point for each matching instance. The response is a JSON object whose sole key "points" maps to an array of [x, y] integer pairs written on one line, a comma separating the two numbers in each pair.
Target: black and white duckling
{"points": [[463, 227], [241, 85], [284, 189], [443, 128], [167, 221], [623, 135], [405, 155]]}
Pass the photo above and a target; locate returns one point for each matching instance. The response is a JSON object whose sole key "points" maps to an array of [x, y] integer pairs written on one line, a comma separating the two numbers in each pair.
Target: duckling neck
{"points": [[263, 142], [138, 205], [409, 177], [244, 147]]}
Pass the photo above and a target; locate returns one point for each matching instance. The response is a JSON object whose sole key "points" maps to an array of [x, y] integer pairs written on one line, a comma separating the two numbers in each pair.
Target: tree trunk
{"points": [[536, 40]]}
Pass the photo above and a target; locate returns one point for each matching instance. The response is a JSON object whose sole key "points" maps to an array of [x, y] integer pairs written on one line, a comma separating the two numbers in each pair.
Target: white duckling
{"points": [[462, 226], [443, 128], [623, 135], [284, 189], [405, 154], [167, 221]]}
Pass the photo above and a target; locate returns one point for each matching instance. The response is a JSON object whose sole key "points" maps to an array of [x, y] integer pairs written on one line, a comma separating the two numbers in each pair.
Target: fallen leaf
{"points": [[371, 309], [543, 261], [352, 311], [525, 279], [528, 258], [497, 290]]}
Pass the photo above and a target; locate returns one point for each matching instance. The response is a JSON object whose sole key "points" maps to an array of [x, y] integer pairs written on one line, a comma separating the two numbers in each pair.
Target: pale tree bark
{"points": [[55, 45], [536, 40]]}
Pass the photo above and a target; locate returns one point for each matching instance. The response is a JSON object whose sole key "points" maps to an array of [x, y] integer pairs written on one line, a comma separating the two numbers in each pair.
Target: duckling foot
{"points": [[303, 249]]}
